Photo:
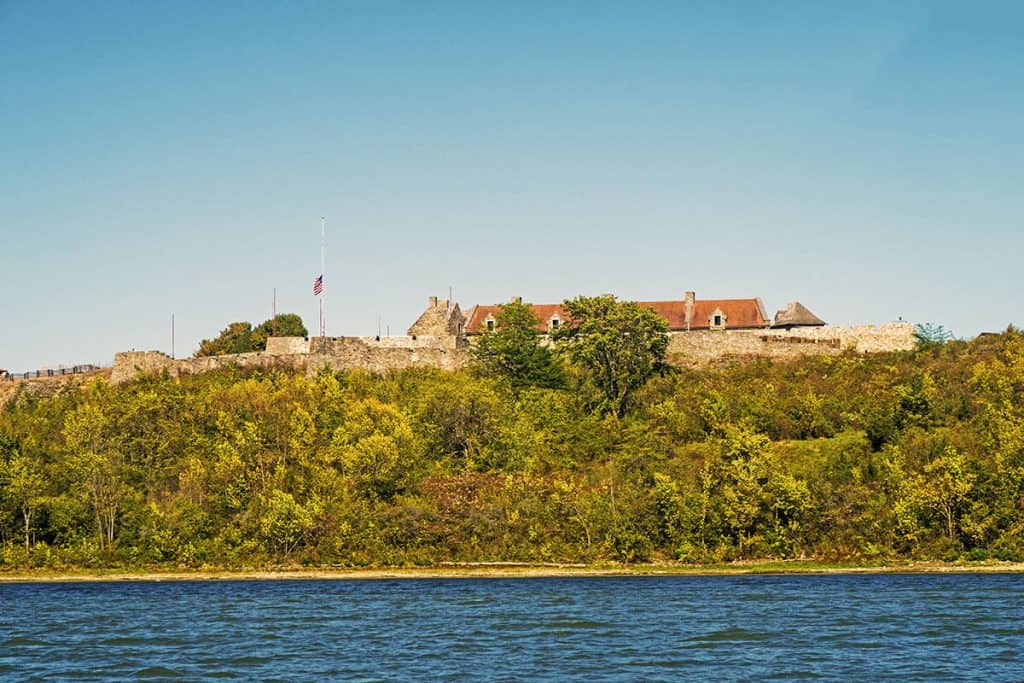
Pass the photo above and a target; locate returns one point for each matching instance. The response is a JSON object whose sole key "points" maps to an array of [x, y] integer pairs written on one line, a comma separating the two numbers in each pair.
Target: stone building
{"points": [[796, 315], [705, 331], [440, 319], [685, 315]]}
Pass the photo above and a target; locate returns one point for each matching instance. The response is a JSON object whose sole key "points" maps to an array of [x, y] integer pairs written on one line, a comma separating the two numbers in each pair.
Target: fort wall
{"points": [[309, 356], [46, 386], [701, 347], [130, 364], [450, 352], [387, 353], [283, 346]]}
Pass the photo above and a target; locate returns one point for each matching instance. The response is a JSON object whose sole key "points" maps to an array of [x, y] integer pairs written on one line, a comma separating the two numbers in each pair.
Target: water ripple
{"points": [[917, 628]]}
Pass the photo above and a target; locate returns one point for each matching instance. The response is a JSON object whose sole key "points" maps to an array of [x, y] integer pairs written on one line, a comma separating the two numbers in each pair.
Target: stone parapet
{"points": [[129, 364], [284, 346], [329, 345], [700, 347], [298, 354], [451, 352]]}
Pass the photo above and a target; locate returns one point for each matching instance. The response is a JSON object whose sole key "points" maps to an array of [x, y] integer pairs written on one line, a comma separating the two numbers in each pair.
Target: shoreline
{"points": [[499, 570]]}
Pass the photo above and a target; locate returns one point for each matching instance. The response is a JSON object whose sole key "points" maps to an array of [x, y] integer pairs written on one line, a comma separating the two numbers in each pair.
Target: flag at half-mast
{"points": [[318, 286]]}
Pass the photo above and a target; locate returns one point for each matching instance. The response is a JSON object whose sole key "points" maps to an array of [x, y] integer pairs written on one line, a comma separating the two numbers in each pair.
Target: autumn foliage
{"points": [[906, 455]]}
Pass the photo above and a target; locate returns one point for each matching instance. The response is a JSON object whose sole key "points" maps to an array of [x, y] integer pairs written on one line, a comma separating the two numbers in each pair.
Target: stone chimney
{"points": [[432, 302], [689, 298], [517, 299]]}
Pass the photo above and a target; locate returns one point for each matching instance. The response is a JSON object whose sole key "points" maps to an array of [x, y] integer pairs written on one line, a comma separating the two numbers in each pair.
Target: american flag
{"points": [[318, 286]]}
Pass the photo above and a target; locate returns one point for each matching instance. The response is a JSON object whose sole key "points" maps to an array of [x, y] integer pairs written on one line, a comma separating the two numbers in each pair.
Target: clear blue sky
{"points": [[158, 158]]}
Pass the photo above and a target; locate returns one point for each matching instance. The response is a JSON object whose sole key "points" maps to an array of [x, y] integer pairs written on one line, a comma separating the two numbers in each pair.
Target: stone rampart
{"points": [[335, 345], [47, 385], [128, 364], [694, 348], [388, 353], [700, 347], [284, 346], [309, 356]]}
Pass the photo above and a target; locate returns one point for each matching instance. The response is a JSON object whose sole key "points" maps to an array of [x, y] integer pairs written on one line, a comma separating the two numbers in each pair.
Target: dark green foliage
{"points": [[241, 337], [905, 455], [284, 325], [513, 351], [619, 345], [235, 338]]}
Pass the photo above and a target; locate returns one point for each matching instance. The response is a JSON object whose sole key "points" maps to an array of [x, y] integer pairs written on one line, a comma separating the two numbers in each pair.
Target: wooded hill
{"points": [[908, 455]]}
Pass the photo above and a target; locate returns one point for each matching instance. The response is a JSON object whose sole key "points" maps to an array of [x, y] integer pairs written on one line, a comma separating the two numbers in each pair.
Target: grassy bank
{"points": [[511, 571]]}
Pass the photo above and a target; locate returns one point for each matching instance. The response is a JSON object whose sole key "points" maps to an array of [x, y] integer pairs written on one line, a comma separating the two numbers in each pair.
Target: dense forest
{"points": [[848, 458]]}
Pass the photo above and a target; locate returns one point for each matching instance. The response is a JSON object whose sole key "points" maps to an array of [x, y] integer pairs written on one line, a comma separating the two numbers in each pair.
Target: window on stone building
{"points": [[490, 326], [554, 324], [718, 321]]}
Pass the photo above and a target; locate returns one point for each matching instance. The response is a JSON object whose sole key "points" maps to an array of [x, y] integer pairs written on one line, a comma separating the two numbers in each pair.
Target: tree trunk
{"points": [[26, 514]]}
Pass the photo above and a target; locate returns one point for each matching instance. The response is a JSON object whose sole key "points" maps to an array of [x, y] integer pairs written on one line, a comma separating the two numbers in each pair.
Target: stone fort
{"points": [[701, 332]]}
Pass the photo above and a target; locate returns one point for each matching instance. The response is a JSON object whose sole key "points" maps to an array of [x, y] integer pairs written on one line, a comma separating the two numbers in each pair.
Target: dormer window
{"points": [[490, 325], [717, 319], [554, 324]]}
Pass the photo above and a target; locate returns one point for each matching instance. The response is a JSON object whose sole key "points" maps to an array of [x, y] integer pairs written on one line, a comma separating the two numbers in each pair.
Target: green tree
{"points": [[930, 335], [284, 522], [242, 337], [284, 325], [618, 344], [235, 338], [376, 446], [96, 468], [944, 487], [25, 489], [513, 350]]}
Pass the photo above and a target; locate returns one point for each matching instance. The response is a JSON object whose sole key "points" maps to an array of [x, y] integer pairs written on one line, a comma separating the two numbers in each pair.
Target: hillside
{"points": [[902, 455]]}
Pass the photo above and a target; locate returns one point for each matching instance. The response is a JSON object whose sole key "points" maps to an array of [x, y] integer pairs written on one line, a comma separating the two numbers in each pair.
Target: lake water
{"points": [[849, 627]]}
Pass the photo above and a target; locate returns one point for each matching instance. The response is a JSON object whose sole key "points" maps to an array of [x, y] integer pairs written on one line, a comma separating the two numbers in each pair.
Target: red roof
{"points": [[544, 312], [738, 313]]}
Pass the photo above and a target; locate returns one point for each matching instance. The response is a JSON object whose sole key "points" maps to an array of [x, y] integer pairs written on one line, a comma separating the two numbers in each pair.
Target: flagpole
{"points": [[323, 295]]}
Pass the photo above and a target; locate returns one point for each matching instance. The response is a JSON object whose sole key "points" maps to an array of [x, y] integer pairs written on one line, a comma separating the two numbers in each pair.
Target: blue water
{"points": [[881, 627]]}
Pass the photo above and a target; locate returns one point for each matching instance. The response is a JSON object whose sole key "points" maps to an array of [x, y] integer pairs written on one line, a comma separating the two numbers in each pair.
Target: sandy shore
{"points": [[501, 570]]}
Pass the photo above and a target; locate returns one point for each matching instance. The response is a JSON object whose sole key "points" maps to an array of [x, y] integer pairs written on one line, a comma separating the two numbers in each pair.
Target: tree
{"points": [[618, 344], [944, 487], [25, 485], [241, 337], [930, 335], [513, 350], [376, 446], [235, 338], [284, 325], [96, 468]]}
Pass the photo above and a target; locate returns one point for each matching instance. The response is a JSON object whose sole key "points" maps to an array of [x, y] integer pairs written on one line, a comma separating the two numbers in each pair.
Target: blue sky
{"points": [[175, 158]]}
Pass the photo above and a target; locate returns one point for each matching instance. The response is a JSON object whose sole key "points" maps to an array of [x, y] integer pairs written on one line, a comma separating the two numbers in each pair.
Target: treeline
{"points": [[909, 455]]}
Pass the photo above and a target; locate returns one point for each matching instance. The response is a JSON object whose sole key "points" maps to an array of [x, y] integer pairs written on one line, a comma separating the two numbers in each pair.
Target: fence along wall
{"points": [[45, 384]]}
